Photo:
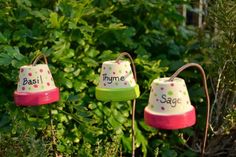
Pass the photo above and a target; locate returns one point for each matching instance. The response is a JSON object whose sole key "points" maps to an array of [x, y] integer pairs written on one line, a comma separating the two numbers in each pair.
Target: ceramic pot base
{"points": [[117, 94], [170, 122], [36, 98]]}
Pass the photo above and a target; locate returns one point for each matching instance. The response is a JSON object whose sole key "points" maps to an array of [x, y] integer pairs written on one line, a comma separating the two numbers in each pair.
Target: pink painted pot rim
{"points": [[172, 121], [36, 98]]}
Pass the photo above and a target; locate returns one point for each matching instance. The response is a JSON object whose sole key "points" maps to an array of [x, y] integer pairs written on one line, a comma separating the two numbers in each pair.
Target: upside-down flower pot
{"points": [[117, 82], [35, 86], [169, 105]]}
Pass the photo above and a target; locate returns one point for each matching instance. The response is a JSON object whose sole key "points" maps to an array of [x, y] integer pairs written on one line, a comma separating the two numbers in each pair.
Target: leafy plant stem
{"points": [[52, 133]]}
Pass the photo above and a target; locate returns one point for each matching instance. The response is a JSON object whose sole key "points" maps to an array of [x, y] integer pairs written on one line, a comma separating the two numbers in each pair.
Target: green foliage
{"points": [[77, 36], [22, 145], [221, 67], [223, 51]]}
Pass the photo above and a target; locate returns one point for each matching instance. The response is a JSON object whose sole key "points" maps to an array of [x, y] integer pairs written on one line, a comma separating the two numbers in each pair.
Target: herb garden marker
{"points": [[169, 104], [119, 83], [36, 85]]}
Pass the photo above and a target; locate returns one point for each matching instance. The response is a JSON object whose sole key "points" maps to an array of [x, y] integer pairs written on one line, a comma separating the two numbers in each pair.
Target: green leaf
{"points": [[3, 39], [107, 55], [61, 148], [90, 62], [141, 140], [5, 59], [79, 86], [92, 53], [26, 2], [68, 83], [42, 13], [126, 142], [54, 20], [147, 127]]}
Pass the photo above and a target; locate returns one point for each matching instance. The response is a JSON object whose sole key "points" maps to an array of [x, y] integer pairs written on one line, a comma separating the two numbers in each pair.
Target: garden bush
{"points": [[77, 36], [221, 69]]}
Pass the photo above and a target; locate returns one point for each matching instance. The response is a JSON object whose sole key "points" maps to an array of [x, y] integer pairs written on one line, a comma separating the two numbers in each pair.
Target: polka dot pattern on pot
{"points": [[35, 78], [169, 97], [116, 75]]}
